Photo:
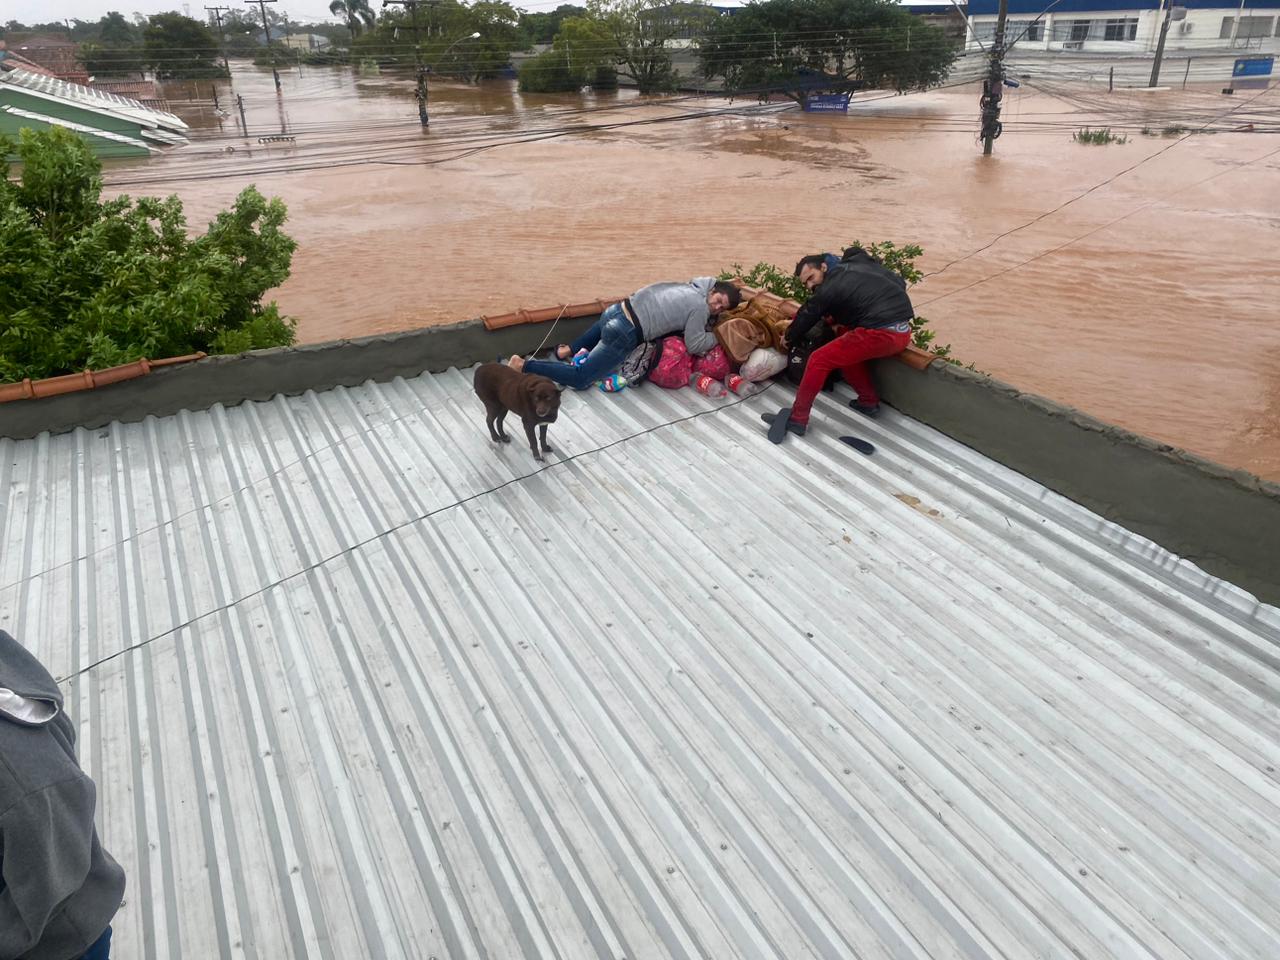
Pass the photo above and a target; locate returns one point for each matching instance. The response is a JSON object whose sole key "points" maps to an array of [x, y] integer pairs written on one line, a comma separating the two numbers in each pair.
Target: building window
{"points": [[1013, 31], [1250, 28], [1121, 29], [1079, 30]]}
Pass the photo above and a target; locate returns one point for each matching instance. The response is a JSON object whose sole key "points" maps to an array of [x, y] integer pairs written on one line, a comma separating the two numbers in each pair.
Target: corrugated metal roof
{"points": [[355, 683], [89, 98]]}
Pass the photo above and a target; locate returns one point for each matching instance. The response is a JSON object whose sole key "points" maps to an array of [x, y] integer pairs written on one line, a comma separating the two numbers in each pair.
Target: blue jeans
{"points": [[101, 948], [609, 339]]}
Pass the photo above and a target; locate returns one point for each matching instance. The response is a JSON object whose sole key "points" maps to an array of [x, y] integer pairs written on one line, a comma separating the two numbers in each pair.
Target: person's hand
{"points": [[784, 345]]}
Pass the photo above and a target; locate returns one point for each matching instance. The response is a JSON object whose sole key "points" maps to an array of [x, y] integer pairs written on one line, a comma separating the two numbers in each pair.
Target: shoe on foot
{"points": [[866, 409], [780, 424], [613, 384]]}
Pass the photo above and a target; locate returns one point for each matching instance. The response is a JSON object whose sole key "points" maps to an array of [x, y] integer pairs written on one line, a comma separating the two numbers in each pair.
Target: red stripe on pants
{"points": [[849, 354]]}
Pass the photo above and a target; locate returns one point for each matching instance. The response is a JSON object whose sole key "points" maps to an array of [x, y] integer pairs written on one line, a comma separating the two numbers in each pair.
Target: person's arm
{"points": [[813, 310], [697, 338], [47, 841]]}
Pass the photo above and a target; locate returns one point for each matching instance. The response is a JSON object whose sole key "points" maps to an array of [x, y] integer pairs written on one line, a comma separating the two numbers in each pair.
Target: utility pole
{"points": [[1164, 32], [243, 122], [412, 7], [266, 34], [993, 86], [222, 40]]}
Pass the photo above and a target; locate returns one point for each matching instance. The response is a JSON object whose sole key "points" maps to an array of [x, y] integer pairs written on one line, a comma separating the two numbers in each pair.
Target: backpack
{"points": [[640, 362], [798, 357]]}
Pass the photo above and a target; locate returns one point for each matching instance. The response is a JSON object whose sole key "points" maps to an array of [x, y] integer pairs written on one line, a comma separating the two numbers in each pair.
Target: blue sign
{"points": [[827, 103], [1253, 67]]}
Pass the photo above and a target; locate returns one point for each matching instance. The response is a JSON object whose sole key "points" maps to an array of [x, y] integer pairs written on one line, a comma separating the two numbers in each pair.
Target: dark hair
{"points": [[813, 260], [858, 255], [729, 290]]}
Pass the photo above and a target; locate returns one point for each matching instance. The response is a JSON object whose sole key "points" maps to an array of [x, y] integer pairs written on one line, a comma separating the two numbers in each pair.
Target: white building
{"points": [[1130, 26]]}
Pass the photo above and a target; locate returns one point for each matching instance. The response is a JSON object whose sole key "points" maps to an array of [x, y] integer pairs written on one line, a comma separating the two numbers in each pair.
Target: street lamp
{"points": [[424, 71], [470, 36]]}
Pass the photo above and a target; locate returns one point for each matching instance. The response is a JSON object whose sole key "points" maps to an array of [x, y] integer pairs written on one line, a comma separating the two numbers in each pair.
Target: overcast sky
{"points": [[44, 11]]}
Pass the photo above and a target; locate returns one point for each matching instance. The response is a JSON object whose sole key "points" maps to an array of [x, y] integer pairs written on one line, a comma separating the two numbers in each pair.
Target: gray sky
{"points": [[44, 11]]}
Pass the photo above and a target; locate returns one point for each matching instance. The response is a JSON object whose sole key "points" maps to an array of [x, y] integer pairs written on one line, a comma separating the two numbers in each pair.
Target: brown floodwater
{"points": [[1150, 302]]}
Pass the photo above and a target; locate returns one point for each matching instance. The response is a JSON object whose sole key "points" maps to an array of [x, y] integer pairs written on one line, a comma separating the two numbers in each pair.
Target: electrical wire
{"points": [[383, 535]]}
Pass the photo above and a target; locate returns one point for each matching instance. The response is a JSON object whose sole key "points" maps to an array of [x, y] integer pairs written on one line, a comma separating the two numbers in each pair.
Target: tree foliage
{"points": [[799, 46], [179, 47], [543, 27], [639, 31], [579, 53], [357, 14], [91, 283], [444, 38]]}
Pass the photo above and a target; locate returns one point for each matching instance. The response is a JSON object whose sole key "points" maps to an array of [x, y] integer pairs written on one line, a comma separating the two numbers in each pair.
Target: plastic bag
{"points": [[762, 364], [674, 366], [714, 363]]}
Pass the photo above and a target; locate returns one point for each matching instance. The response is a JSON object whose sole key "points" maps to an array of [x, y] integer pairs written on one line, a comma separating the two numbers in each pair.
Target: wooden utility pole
{"points": [[266, 34], [993, 86], [222, 39], [412, 7]]}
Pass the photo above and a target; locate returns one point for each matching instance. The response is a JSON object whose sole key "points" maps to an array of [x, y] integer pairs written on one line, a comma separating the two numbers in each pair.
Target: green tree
{"points": [[543, 27], [116, 47], [182, 48], [581, 48], [445, 42], [90, 283], [115, 30], [798, 46], [357, 14], [640, 30]]}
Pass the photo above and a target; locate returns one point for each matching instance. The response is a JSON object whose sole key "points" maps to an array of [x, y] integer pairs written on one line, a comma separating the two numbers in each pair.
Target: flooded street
{"points": [[1150, 301]]}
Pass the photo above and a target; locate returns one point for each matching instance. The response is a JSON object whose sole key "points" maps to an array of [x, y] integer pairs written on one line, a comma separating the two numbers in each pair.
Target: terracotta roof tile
{"points": [[86, 379]]}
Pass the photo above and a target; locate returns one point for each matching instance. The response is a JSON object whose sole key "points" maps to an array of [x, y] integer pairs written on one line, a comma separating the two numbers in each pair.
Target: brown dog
{"points": [[535, 399]]}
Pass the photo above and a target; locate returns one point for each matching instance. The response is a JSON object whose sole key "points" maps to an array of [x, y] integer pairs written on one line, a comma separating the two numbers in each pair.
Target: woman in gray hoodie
{"points": [[58, 888]]}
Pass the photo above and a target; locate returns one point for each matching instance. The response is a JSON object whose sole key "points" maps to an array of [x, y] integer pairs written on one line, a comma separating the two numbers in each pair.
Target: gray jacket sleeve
{"points": [[697, 338], [48, 839]]}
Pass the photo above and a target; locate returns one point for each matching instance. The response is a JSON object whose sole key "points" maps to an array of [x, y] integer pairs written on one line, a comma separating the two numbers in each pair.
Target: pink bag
{"points": [[714, 363], [674, 366]]}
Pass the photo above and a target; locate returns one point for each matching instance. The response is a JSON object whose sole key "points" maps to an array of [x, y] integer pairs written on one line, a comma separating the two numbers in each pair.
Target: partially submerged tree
{"points": [[640, 31], [795, 47], [88, 283], [580, 50]]}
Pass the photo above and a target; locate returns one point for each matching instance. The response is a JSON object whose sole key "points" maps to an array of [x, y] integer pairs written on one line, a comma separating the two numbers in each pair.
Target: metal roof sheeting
{"points": [[355, 683], [89, 98]]}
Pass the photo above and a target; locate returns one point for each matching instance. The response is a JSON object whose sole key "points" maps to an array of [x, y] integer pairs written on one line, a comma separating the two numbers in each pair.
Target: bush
{"points": [[549, 72], [87, 283], [901, 260], [1101, 136]]}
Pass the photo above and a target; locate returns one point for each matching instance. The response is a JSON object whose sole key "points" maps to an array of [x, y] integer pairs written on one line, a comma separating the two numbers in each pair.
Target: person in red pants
{"points": [[869, 303]]}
